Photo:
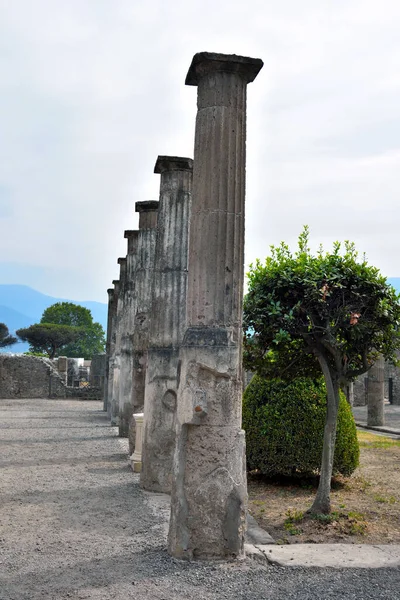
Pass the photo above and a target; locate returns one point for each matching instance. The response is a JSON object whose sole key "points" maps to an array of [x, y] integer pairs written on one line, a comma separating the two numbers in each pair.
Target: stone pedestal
{"points": [[375, 393], [136, 458], [126, 360], [208, 499], [167, 321], [148, 211]]}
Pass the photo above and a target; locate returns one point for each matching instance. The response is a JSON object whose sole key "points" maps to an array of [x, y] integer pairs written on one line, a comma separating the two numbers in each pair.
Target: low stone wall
{"points": [[85, 393], [29, 377]]}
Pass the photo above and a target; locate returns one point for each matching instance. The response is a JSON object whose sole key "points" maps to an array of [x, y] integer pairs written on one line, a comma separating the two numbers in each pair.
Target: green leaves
{"points": [[5, 338], [49, 337], [331, 302], [67, 313]]}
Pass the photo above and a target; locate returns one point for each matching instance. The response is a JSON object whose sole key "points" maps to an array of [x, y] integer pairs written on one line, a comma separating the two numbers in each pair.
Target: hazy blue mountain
{"points": [[21, 306], [395, 282]]}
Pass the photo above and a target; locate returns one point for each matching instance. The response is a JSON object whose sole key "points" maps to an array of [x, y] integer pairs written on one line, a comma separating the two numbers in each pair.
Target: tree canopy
{"points": [[49, 338], [330, 312], [5, 338], [67, 313]]}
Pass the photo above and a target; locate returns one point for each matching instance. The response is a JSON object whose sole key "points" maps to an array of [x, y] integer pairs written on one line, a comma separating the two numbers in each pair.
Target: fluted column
{"points": [[148, 211], [113, 335], [117, 348], [209, 493], [376, 392], [128, 321], [110, 293], [167, 321]]}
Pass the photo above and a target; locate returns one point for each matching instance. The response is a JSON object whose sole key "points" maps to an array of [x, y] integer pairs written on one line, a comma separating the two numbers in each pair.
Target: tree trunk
{"points": [[322, 501]]}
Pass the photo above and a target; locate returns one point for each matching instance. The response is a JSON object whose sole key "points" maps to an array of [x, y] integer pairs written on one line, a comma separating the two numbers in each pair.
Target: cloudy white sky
{"points": [[91, 91]]}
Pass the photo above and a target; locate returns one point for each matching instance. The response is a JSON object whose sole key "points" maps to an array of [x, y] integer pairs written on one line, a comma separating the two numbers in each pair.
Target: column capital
{"points": [[121, 261], [110, 292], [132, 235], [146, 206], [148, 211], [173, 163], [204, 63]]}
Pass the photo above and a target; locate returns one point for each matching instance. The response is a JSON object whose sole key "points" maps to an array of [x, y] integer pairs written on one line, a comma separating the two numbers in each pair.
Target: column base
{"points": [[159, 420]]}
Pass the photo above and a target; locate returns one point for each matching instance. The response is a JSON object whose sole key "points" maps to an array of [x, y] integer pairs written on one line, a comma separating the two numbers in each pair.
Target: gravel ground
{"points": [[75, 524]]}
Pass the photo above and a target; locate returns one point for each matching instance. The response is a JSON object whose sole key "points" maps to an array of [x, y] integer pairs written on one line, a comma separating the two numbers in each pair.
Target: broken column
{"points": [[209, 492], [167, 323], [117, 349], [62, 368], [143, 277], [126, 359], [375, 393]]}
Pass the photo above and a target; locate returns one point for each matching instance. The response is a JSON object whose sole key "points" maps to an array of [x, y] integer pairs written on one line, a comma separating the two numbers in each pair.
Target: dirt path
{"points": [[75, 524]]}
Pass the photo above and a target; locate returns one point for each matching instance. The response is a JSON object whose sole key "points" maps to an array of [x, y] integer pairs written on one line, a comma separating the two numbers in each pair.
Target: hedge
{"points": [[284, 424]]}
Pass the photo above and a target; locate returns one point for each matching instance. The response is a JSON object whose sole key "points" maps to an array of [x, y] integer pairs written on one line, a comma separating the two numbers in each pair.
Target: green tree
{"points": [[5, 338], [331, 310], [74, 315], [48, 337]]}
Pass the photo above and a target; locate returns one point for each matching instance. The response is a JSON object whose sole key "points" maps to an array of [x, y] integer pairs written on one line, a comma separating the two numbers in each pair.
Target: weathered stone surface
{"points": [[62, 368], [148, 211], [208, 500], [127, 327], [119, 324], [110, 293], [29, 377], [113, 335], [375, 393], [167, 321]]}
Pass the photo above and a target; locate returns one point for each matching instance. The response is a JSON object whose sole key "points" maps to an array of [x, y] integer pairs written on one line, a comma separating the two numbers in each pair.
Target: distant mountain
{"points": [[395, 282], [21, 306]]}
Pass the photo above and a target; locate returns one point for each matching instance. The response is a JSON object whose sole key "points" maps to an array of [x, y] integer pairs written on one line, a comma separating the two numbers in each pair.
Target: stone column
{"points": [[143, 277], [209, 492], [167, 324], [113, 336], [110, 293], [126, 367], [117, 349], [375, 393], [62, 367]]}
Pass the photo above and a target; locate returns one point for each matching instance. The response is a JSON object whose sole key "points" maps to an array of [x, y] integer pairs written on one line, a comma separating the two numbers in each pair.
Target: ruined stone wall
{"points": [[29, 377]]}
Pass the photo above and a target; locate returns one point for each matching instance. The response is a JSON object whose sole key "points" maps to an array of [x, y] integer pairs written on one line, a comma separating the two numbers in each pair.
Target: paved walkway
{"points": [[392, 418], [75, 524]]}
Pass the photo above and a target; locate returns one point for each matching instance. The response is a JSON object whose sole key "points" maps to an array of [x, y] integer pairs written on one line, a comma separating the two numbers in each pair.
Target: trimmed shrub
{"points": [[284, 424]]}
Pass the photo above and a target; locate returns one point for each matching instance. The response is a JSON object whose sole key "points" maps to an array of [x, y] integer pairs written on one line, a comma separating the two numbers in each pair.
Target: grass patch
{"points": [[371, 440]]}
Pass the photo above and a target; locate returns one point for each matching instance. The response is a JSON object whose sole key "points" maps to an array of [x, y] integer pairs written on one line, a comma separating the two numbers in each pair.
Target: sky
{"points": [[92, 91]]}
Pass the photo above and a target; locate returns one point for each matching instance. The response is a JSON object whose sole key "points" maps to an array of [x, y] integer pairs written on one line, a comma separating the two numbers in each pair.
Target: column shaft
{"points": [[126, 368], [167, 322], [375, 393], [209, 494], [148, 211], [119, 324]]}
